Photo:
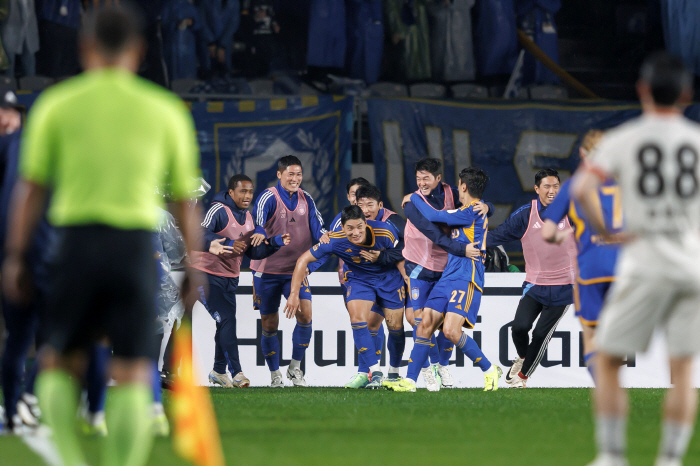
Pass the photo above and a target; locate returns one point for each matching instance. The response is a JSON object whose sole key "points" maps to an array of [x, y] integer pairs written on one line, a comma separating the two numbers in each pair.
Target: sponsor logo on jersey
{"points": [[537, 225], [348, 250], [292, 220]]}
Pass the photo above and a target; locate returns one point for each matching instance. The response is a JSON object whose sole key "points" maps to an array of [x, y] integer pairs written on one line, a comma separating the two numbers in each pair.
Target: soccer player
{"points": [[284, 208], [595, 263], [655, 161], [101, 142], [426, 260], [367, 282], [454, 301], [547, 290], [228, 231]]}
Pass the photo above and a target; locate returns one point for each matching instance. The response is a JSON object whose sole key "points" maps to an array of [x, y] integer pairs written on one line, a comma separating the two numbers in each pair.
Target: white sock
{"points": [[393, 370], [276, 373], [611, 434], [440, 365], [294, 364], [411, 380], [490, 369], [375, 368], [675, 437]]}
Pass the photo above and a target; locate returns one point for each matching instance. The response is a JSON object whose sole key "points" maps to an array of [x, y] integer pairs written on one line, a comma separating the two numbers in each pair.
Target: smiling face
{"points": [[427, 181], [242, 195], [291, 178], [370, 207], [355, 230], [351, 194], [548, 189]]}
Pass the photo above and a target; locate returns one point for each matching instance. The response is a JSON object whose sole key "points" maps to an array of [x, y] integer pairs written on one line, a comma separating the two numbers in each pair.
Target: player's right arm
{"points": [[215, 219], [554, 213], [433, 232], [319, 251], [462, 216]]}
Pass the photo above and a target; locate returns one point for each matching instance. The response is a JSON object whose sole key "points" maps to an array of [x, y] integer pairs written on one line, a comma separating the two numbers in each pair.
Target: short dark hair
{"points": [[114, 28], [429, 164], [351, 212], [235, 179], [286, 162], [544, 173], [475, 179], [356, 181], [667, 76], [369, 192]]}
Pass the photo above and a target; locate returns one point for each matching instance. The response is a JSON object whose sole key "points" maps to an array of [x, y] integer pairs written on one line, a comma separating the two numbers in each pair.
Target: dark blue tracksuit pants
{"points": [[221, 304]]}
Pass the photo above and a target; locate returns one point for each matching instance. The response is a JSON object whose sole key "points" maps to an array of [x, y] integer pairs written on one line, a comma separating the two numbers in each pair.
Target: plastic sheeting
{"points": [[451, 46], [681, 23]]}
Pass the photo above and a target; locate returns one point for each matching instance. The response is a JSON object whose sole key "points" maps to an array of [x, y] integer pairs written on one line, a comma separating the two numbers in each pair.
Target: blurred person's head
{"points": [[352, 187], [547, 185], [241, 190], [113, 36], [354, 224], [10, 118], [369, 199], [664, 84], [289, 173], [428, 174], [590, 142]]}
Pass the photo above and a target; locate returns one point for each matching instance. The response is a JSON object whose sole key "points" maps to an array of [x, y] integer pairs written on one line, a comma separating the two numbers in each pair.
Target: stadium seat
{"points": [[429, 90], [469, 91], [7, 83], [548, 92], [183, 86], [262, 86], [389, 90], [35, 83]]}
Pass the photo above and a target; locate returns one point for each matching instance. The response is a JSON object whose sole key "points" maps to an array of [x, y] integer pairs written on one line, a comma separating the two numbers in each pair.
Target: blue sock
{"points": [[362, 362], [426, 364], [364, 344], [434, 350], [419, 354], [396, 346], [96, 378], [378, 339], [271, 349], [155, 382], [300, 340], [588, 361], [445, 346], [473, 352]]}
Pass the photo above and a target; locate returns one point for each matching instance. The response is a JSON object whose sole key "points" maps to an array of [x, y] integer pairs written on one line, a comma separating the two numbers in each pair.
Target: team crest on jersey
{"points": [[248, 226], [561, 225], [316, 247], [302, 210], [283, 214], [415, 293]]}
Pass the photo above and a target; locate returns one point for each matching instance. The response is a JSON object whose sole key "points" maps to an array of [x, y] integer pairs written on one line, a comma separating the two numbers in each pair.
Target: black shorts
{"points": [[103, 283]]}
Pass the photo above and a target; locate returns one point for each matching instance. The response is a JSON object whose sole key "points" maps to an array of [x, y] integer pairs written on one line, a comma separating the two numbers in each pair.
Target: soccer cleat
{"points": [[276, 380], [296, 376], [241, 381], [514, 369], [431, 382], [94, 424], [445, 377], [358, 381], [403, 385], [436, 374], [161, 426], [491, 379], [393, 377], [28, 410], [606, 459], [220, 379], [376, 382], [518, 382]]}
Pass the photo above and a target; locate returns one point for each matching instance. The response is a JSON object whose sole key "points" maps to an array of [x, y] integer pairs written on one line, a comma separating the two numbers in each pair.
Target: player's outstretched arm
{"points": [[585, 190], [267, 248], [552, 234], [451, 218], [293, 302], [433, 232]]}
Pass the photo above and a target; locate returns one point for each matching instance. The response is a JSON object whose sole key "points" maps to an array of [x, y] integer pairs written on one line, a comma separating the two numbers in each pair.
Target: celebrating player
{"points": [[367, 282], [547, 290], [454, 301], [228, 231], [655, 161], [595, 263], [284, 208]]}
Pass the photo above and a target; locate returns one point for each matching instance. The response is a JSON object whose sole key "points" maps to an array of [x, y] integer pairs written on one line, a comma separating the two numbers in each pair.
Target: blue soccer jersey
{"points": [[596, 259], [467, 227]]}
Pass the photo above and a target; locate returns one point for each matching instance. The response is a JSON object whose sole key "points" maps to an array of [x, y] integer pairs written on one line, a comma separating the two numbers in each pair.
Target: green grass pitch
{"points": [[332, 426]]}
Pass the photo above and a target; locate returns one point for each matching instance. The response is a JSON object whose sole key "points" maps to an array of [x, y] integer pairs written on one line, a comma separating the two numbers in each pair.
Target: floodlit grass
{"points": [[331, 426]]}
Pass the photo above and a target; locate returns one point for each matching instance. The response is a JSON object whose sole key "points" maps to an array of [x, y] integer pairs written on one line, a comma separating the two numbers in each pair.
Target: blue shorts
{"points": [[458, 296], [419, 292], [589, 300], [268, 289], [387, 294]]}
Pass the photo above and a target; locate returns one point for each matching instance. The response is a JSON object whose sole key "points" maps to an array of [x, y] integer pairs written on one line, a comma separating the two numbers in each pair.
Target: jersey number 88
{"points": [[651, 181]]}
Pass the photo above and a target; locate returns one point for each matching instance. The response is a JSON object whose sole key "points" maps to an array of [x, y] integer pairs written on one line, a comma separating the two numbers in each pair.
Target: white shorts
{"points": [[637, 304]]}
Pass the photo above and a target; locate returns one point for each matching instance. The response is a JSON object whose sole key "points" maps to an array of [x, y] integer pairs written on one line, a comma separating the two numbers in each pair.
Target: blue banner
{"points": [[510, 141], [249, 136]]}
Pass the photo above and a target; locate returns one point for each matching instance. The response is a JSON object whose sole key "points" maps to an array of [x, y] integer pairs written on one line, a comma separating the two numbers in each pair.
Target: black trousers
{"points": [[58, 56], [526, 314]]}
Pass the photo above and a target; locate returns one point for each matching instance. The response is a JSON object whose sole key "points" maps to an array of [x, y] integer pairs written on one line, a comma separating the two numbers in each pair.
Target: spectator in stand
{"points": [[182, 29], [365, 29], [407, 23], [327, 38], [20, 36], [263, 43], [220, 19], [451, 46], [59, 22]]}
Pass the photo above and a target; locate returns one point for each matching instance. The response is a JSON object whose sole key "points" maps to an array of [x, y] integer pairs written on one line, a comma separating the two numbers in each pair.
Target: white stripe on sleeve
{"points": [[261, 205], [210, 215]]}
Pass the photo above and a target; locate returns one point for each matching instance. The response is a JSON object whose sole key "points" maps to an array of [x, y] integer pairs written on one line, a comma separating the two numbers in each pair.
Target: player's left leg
{"points": [[301, 337], [541, 335], [396, 343], [588, 300], [375, 320], [359, 310]]}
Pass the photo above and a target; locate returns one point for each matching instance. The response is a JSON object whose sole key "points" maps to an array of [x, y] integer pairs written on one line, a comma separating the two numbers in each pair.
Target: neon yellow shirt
{"points": [[102, 142]]}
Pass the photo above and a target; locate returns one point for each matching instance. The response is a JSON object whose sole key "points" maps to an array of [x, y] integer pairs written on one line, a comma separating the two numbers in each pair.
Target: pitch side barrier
{"points": [[332, 358]]}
